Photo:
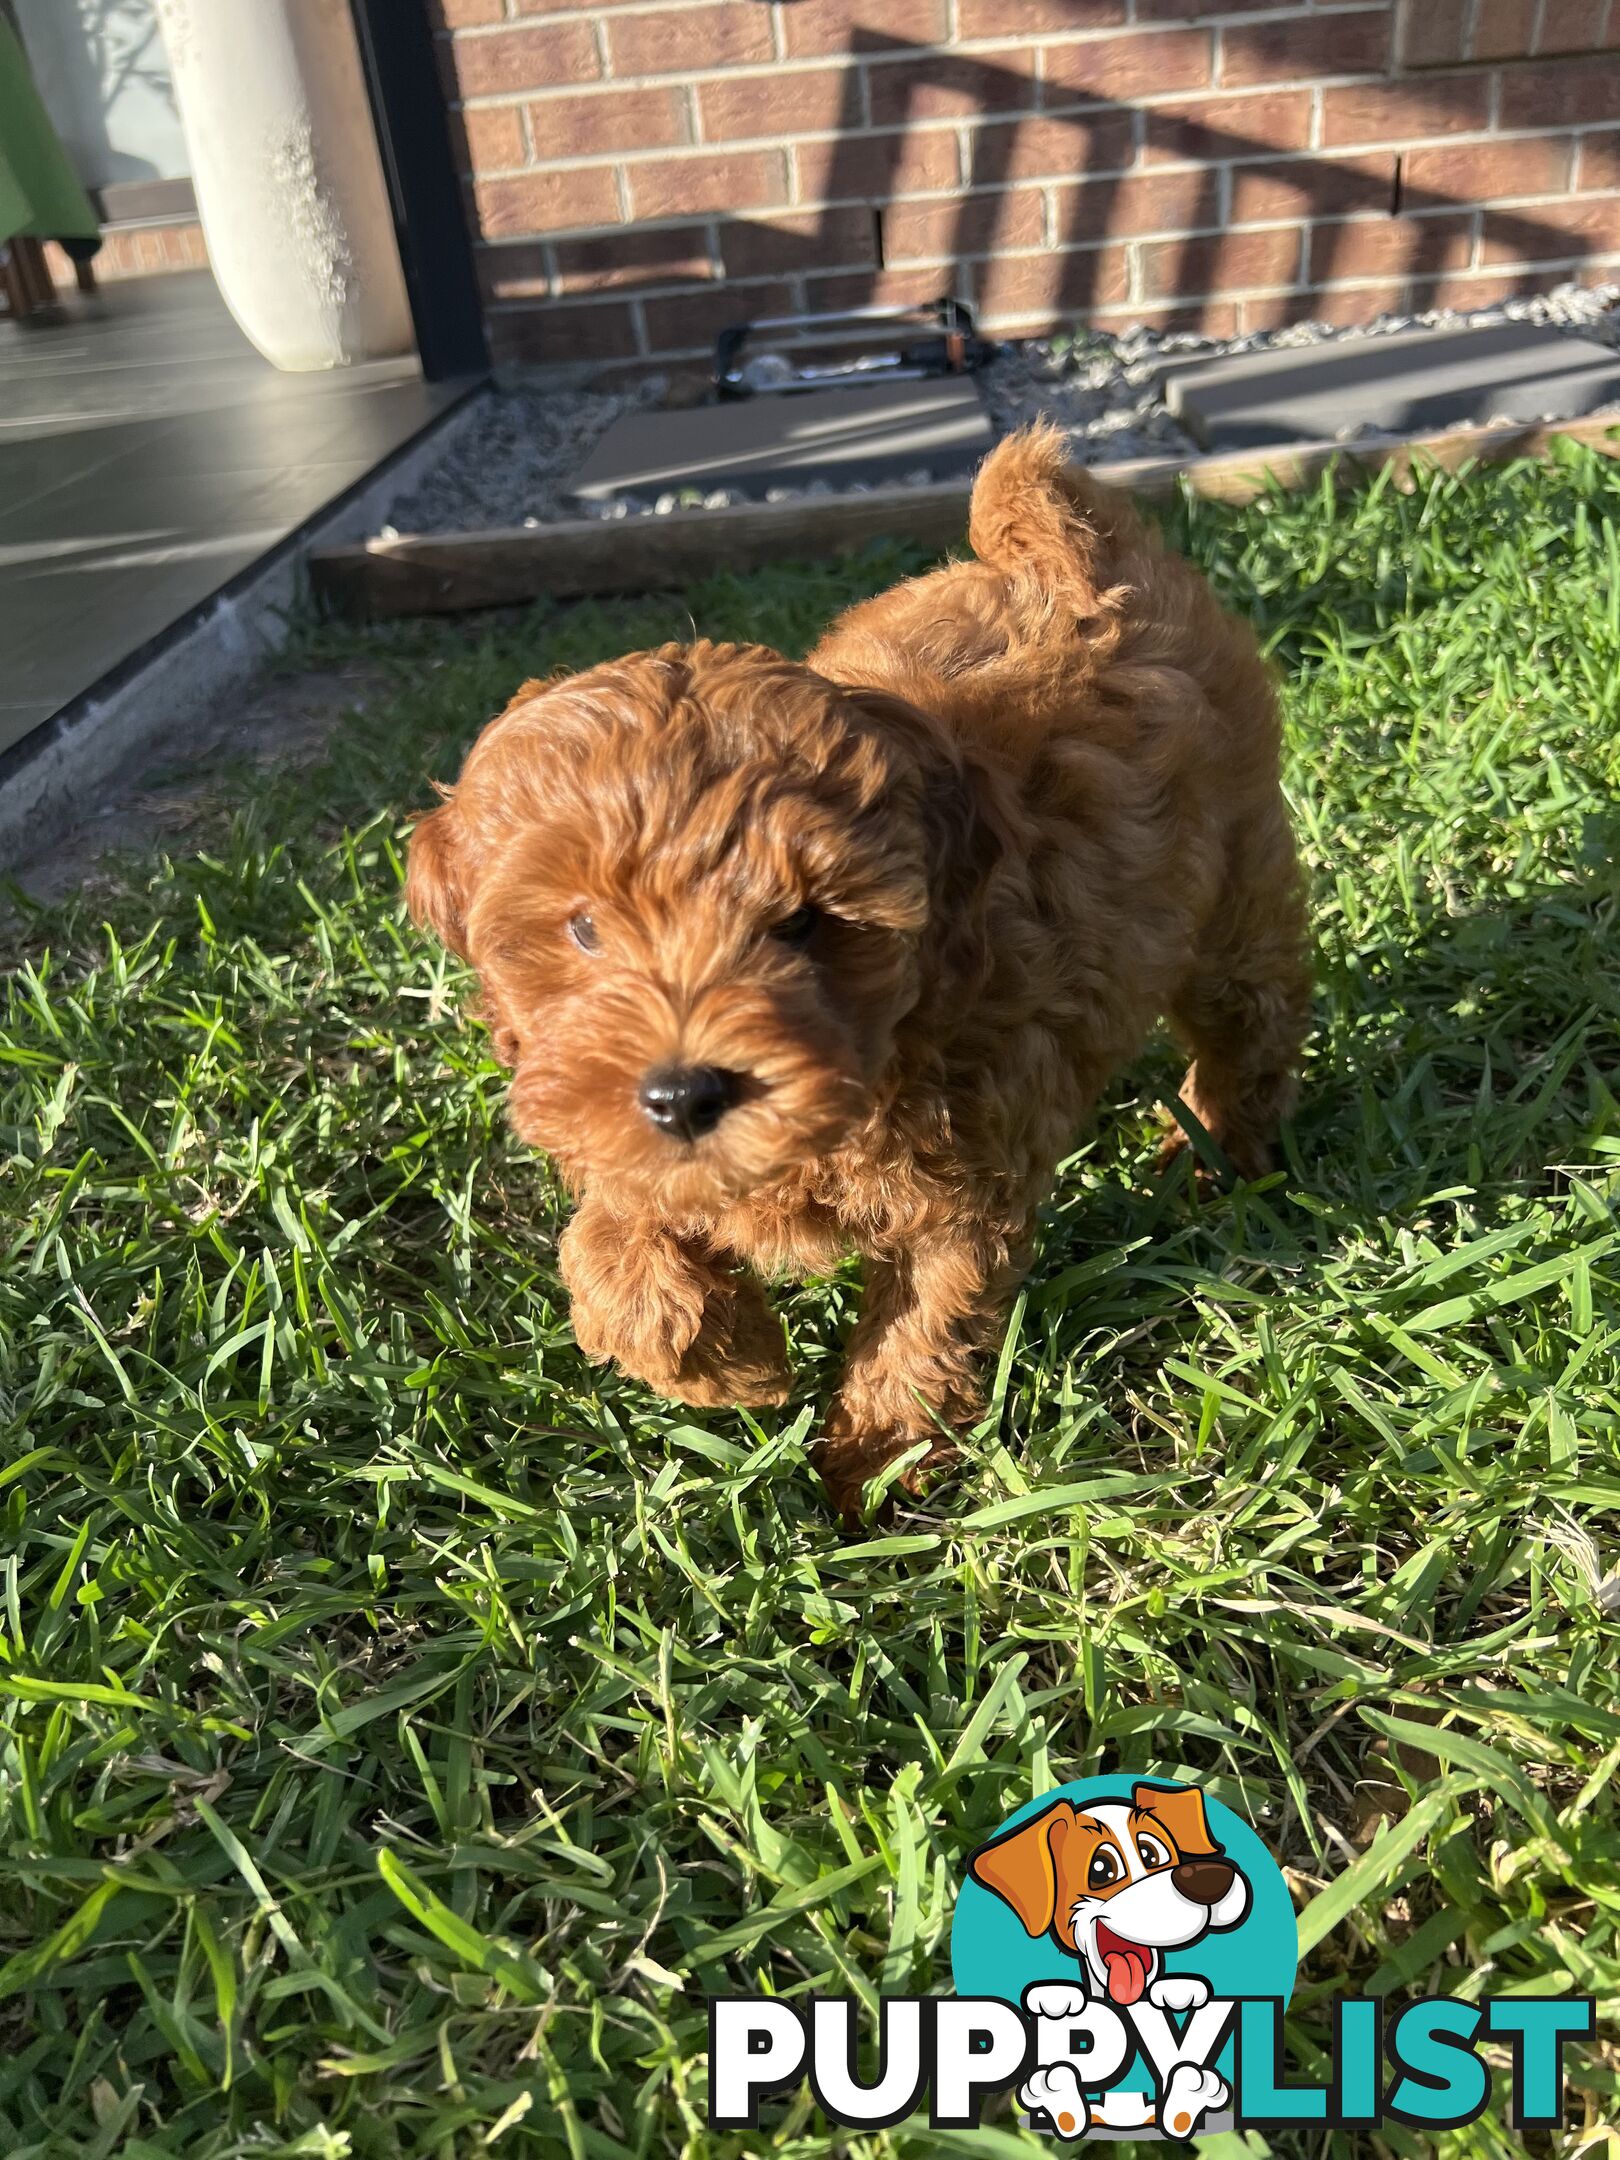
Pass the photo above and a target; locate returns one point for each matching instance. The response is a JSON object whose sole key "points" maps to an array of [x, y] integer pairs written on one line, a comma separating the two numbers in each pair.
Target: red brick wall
{"points": [[642, 172], [137, 251]]}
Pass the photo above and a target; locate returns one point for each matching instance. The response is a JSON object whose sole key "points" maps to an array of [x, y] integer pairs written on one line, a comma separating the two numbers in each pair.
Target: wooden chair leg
{"points": [[36, 273], [11, 277], [30, 288]]}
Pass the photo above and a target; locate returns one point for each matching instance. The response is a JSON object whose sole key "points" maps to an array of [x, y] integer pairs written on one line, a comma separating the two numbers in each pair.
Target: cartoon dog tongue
{"points": [[1127, 1965]]}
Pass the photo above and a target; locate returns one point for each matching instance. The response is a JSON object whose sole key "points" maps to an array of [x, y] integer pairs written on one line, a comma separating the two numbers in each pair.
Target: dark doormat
{"points": [[748, 446]]}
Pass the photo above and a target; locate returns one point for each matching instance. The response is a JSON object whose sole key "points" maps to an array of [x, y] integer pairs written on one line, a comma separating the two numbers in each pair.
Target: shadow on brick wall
{"points": [[1043, 223]]}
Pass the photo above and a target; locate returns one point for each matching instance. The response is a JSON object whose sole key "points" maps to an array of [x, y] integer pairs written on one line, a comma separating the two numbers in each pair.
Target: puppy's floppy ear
{"points": [[1181, 1811], [1022, 1868], [969, 838], [958, 797], [434, 889]]}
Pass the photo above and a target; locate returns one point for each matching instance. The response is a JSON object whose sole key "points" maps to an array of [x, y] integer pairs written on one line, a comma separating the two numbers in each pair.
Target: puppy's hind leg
{"points": [[1243, 1010]]}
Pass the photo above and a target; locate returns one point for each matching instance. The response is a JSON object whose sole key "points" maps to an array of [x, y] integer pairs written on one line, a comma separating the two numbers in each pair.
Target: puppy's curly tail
{"points": [[1048, 525]]}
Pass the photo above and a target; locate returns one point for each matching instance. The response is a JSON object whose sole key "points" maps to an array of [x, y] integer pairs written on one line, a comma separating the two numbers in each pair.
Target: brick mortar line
{"points": [[872, 131], [563, 16], [768, 71], [686, 152], [806, 63], [753, 71], [869, 133], [1281, 11], [1372, 220], [1338, 288], [1302, 282], [1003, 320], [680, 223], [1473, 215], [1027, 322], [1279, 86], [704, 289], [1181, 305]]}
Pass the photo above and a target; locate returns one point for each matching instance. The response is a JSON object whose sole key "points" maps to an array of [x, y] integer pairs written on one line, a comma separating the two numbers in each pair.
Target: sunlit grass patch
{"points": [[404, 1726]]}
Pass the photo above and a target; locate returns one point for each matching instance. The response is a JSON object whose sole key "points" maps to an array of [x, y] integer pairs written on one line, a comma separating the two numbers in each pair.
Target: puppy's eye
{"points": [[583, 932], [1153, 1853], [1105, 1868], [798, 928]]}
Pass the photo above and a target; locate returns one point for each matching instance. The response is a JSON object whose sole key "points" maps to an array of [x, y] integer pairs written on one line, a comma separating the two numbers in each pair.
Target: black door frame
{"points": [[424, 189]]}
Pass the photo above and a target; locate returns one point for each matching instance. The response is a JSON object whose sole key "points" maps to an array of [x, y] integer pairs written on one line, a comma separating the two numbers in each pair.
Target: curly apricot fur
{"points": [[1034, 801]]}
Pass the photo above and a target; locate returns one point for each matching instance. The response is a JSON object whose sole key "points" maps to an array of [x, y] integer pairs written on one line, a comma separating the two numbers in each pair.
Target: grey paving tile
{"points": [[148, 455], [76, 621], [836, 436], [16, 721], [1403, 383], [37, 464]]}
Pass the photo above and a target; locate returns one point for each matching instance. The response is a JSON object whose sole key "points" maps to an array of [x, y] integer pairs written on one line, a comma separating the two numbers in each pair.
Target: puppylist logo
{"points": [[1123, 1951], [1127, 1924]]}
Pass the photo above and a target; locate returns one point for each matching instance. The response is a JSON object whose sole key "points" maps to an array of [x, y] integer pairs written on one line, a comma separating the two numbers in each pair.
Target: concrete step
{"points": [[882, 431], [1403, 383]]}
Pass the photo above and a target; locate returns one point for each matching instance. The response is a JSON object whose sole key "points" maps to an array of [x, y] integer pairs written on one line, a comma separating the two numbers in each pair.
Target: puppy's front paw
{"points": [[849, 1458], [1055, 1999], [1190, 2095], [671, 1317], [739, 1355], [1179, 1991], [1054, 2096], [1249, 1157], [636, 1298]]}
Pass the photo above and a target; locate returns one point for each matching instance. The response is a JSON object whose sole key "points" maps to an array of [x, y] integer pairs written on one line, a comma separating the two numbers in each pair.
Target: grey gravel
{"points": [[512, 466], [1105, 390], [1109, 403]]}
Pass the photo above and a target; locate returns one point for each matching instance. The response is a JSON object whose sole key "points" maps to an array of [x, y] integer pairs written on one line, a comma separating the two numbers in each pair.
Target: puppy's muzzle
{"points": [[1206, 1882], [687, 1101]]}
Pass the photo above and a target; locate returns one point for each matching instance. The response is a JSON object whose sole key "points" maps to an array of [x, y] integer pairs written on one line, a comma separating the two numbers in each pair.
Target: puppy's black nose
{"points": [[688, 1100], [1206, 1882]]}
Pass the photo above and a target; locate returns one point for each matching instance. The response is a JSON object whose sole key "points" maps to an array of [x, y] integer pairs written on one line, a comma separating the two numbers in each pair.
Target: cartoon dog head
{"points": [[1117, 1883]]}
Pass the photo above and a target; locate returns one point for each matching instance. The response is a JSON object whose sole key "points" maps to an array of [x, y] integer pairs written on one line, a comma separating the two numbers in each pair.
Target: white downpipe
{"points": [[289, 183]]}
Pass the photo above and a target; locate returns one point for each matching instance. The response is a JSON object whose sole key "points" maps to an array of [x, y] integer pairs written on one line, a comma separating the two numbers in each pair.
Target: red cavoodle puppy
{"points": [[789, 961]]}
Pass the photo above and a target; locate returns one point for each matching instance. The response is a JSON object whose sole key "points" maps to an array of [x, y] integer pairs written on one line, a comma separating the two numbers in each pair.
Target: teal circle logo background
{"points": [[991, 1954]]}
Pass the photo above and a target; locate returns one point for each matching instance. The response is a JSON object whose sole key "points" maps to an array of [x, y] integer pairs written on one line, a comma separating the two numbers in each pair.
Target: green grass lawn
{"points": [[404, 1726]]}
